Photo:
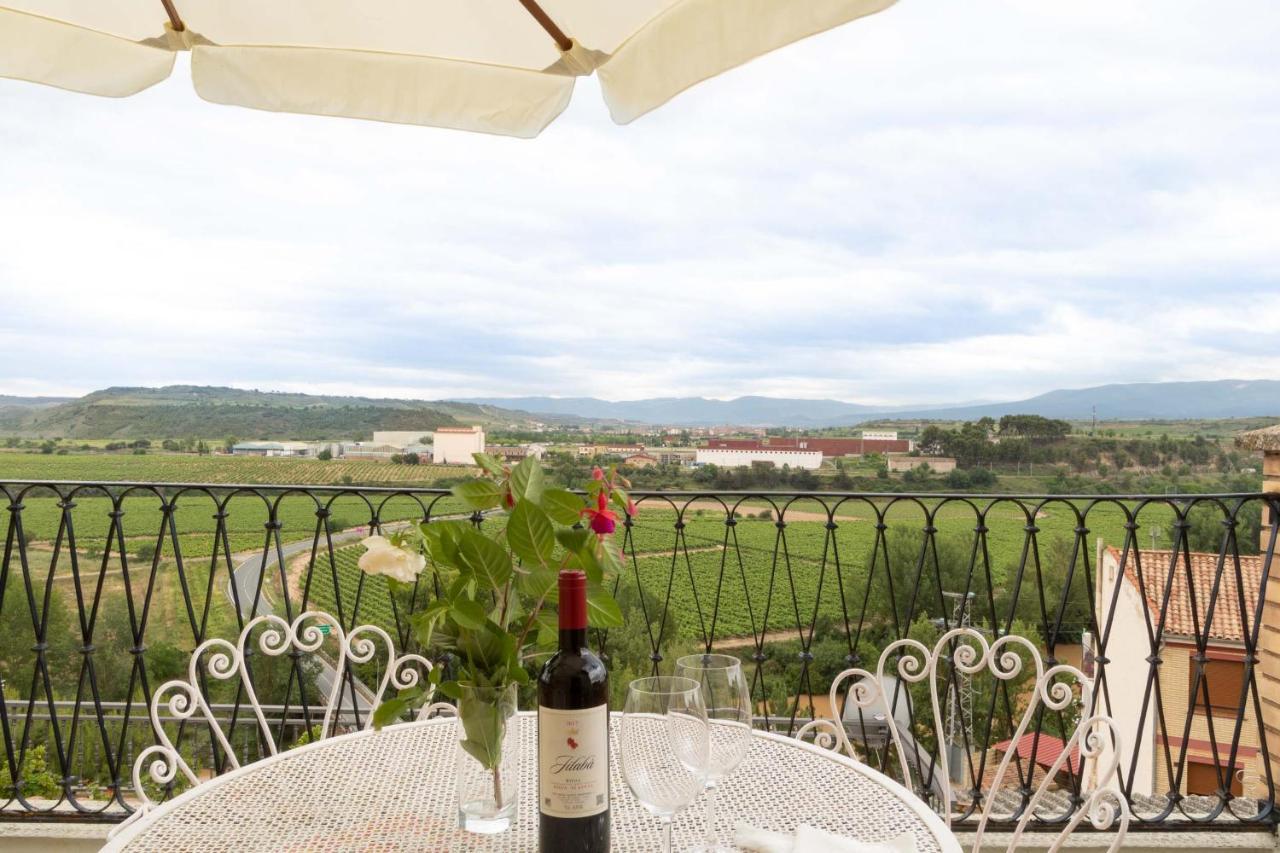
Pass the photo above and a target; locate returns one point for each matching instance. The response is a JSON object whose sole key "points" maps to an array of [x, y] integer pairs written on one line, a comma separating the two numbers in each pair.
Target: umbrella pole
{"points": [[174, 19], [531, 6]]}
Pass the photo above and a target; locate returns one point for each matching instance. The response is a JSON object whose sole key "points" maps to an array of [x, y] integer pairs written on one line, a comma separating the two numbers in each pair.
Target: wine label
{"points": [[573, 761]]}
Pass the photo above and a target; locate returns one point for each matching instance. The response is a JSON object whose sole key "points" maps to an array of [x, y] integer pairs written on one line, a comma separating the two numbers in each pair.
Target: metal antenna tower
{"points": [[959, 714]]}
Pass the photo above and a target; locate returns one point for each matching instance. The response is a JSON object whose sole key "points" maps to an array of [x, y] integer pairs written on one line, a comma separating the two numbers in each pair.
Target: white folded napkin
{"points": [[810, 839]]}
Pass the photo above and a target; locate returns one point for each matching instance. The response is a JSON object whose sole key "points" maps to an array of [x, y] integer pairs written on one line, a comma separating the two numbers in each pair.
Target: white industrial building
{"points": [[732, 457], [457, 445], [273, 448], [401, 438]]}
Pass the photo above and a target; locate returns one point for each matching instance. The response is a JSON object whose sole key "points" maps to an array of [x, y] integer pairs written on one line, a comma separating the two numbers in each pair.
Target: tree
{"points": [[1034, 427], [932, 440], [170, 444], [48, 447], [325, 455], [229, 442], [1208, 529]]}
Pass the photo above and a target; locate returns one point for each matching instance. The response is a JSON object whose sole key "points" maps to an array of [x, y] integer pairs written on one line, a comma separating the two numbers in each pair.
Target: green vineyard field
{"points": [[158, 467]]}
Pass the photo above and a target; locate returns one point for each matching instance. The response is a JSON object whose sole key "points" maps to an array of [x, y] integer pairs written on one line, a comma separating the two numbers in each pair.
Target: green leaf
{"points": [[480, 752], [424, 621], [484, 727], [611, 560], [527, 481], [530, 535], [620, 499], [441, 539], [548, 630], [451, 690], [484, 559], [468, 614], [539, 583], [479, 494], [485, 649], [574, 540], [489, 463], [563, 507], [585, 560], [389, 711], [602, 610]]}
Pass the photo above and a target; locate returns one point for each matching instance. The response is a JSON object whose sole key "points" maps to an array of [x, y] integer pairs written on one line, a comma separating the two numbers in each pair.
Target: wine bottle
{"points": [[573, 735]]}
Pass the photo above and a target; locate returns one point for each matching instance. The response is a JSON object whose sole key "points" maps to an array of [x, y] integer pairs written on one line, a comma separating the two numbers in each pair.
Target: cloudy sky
{"points": [[944, 202]]}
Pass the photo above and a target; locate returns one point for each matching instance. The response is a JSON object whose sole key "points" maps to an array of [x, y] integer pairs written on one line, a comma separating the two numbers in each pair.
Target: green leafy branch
{"points": [[492, 614]]}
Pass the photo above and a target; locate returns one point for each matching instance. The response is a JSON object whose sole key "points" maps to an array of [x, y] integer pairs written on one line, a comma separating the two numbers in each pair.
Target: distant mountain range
{"points": [[178, 411], [1227, 398], [691, 411]]}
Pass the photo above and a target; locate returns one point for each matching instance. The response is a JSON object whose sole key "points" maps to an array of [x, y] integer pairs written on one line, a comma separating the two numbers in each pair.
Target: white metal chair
{"points": [[226, 660], [970, 653]]}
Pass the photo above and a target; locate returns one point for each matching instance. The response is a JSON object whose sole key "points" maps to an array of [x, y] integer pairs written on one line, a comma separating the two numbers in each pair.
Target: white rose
{"points": [[383, 558]]}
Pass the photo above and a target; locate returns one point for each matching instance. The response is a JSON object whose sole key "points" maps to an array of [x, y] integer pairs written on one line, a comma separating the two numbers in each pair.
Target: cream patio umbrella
{"points": [[498, 66]]}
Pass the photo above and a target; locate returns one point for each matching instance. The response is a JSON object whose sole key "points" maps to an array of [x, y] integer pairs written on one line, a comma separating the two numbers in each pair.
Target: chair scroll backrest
{"points": [[1095, 739], [185, 699]]}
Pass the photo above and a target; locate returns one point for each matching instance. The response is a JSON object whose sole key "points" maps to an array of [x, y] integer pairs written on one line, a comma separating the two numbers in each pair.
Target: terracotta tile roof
{"points": [[1047, 751], [1182, 621]]}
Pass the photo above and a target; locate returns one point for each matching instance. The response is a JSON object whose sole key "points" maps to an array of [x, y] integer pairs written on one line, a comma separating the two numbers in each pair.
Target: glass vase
{"points": [[488, 772]]}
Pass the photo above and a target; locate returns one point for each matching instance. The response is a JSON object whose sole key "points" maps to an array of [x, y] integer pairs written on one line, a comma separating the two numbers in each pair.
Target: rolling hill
{"points": [[178, 411]]}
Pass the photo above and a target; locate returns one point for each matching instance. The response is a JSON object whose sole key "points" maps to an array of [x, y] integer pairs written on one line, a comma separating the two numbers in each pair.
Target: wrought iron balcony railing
{"points": [[105, 588]]}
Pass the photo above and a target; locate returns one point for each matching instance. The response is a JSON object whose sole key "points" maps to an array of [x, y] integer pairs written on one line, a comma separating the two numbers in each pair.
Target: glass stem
{"points": [[666, 834], [711, 816]]}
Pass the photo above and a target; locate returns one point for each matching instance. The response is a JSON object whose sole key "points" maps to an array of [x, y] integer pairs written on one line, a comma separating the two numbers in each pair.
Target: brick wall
{"points": [[1269, 639]]}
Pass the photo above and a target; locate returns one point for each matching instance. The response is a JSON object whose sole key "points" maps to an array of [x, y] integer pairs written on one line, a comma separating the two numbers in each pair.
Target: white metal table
{"points": [[394, 790]]}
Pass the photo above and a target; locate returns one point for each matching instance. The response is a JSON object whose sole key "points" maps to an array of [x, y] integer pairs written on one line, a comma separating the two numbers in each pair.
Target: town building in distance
{"points": [[516, 452], [936, 464], [797, 451], [457, 445]]}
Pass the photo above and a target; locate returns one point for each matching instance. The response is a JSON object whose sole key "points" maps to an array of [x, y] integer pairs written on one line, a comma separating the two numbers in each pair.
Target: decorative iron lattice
{"points": [[105, 588]]}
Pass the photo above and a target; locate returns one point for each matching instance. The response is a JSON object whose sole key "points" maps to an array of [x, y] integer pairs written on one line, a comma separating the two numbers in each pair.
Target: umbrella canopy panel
{"points": [[501, 66]]}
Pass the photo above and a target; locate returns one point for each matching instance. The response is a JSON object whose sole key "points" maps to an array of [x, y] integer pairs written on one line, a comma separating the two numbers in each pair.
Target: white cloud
{"points": [[952, 202]]}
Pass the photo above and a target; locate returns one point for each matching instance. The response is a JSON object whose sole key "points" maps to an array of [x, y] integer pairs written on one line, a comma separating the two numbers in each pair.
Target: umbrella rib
{"points": [[174, 19], [531, 6]]}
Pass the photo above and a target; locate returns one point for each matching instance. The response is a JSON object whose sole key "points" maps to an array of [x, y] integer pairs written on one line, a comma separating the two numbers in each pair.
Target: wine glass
{"points": [[728, 702], [664, 745]]}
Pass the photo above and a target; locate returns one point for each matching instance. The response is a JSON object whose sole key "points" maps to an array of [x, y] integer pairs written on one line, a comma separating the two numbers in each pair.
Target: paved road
{"points": [[246, 578]]}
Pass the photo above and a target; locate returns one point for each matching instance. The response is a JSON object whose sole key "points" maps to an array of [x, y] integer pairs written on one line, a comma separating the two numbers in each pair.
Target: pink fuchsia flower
{"points": [[602, 520], [631, 508], [597, 473]]}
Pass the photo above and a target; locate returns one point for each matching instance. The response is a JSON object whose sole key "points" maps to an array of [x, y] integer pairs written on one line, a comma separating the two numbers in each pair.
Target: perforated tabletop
{"points": [[394, 790]]}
